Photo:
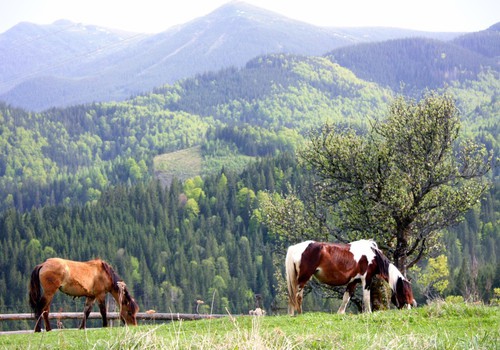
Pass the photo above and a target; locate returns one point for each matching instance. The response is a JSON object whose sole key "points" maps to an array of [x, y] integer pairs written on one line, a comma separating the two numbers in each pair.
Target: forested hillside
{"points": [[79, 182], [484, 42], [71, 155], [411, 65]]}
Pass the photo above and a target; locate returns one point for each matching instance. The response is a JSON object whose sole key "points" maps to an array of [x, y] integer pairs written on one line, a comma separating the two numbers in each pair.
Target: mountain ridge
{"points": [[417, 63], [104, 65]]}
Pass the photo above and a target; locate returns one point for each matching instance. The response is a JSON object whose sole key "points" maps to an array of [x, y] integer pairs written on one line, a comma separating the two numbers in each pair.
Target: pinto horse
{"points": [[339, 264], [91, 279]]}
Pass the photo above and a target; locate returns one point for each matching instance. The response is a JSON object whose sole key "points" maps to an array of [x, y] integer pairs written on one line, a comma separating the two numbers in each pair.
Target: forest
{"points": [[82, 182]]}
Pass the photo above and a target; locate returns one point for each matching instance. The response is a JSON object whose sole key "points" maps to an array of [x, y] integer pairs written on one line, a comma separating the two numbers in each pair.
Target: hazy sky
{"points": [[153, 16]]}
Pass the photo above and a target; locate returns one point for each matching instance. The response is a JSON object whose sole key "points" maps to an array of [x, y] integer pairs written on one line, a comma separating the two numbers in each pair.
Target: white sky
{"points": [[153, 16]]}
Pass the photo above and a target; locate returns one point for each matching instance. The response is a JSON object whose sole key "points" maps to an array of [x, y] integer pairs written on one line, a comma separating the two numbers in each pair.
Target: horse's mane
{"points": [[116, 286], [112, 274], [382, 262]]}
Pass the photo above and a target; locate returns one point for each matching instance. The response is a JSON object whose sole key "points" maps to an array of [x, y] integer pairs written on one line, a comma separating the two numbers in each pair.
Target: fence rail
{"points": [[141, 316], [171, 316]]}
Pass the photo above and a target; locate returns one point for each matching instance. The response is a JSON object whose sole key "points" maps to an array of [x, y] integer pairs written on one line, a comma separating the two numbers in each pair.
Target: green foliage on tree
{"points": [[434, 277], [404, 181]]}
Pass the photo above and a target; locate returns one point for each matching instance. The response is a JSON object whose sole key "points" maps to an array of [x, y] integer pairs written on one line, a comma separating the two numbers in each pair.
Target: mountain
{"points": [[59, 49], [485, 42], [67, 63], [415, 64]]}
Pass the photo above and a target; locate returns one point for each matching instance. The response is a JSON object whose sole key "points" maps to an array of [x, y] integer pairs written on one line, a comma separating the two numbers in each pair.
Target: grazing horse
{"points": [[338, 264], [91, 279]]}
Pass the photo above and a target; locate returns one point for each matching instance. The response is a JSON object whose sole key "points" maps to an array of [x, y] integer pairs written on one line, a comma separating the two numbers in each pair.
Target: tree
{"points": [[288, 219], [435, 276], [401, 182]]}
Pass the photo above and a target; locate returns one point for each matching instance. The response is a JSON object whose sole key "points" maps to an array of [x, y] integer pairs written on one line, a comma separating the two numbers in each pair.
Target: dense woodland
{"points": [[193, 241], [80, 183], [444, 63]]}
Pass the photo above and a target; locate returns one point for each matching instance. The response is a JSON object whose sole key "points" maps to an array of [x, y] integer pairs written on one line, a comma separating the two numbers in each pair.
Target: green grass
{"points": [[437, 326]]}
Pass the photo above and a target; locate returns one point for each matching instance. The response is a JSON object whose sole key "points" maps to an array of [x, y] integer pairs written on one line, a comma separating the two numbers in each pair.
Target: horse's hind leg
{"points": [[300, 298], [39, 318], [89, 302], [45, 312], [46, 318], [298, 306]]}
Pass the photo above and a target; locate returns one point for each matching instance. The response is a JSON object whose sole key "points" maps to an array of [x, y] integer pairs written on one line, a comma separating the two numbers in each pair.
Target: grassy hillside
{"points": [[183, 164], [437, 326], [190, 162]]}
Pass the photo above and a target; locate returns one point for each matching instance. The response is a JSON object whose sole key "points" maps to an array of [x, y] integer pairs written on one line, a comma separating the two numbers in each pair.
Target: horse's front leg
{"points": [[102, 308], [366, 297], [349, 292], [89, 302]]}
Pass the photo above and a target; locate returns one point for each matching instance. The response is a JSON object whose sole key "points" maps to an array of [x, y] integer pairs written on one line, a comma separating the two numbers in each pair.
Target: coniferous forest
{"points": [[87, 181]]}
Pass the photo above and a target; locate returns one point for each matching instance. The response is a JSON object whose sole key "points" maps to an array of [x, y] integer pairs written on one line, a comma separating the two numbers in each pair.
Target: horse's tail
{"points": [[37, 301], [291, 281]]}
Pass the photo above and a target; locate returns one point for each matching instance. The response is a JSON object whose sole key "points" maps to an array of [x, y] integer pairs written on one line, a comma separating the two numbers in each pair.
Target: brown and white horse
{"points": [[91, 279], [338, 264]]}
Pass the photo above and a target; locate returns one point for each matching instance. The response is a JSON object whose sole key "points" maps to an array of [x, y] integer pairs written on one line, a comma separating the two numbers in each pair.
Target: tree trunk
{"points": [[401, 252], [380, 294]]}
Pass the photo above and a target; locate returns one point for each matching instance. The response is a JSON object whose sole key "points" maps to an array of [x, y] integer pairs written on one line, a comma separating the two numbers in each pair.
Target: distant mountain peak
{"points": [[495, 27], [63, 22], [238, 5], [238, 8]]}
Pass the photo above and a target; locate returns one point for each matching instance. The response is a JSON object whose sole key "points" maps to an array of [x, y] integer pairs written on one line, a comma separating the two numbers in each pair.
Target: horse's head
{"points": [[403, 294], [128, 308]]}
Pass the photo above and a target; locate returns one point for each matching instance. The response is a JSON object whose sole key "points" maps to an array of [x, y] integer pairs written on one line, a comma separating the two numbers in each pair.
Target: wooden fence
{"points": [[141, 316]]}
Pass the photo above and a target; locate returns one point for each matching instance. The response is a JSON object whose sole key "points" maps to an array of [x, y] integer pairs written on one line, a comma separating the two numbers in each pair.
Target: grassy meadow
{"points": [[190, 162], [182, 164], [436, 326]]}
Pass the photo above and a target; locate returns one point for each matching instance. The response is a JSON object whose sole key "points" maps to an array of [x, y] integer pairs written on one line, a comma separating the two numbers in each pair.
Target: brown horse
{"points": [[339, 264], [91, 279]]}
